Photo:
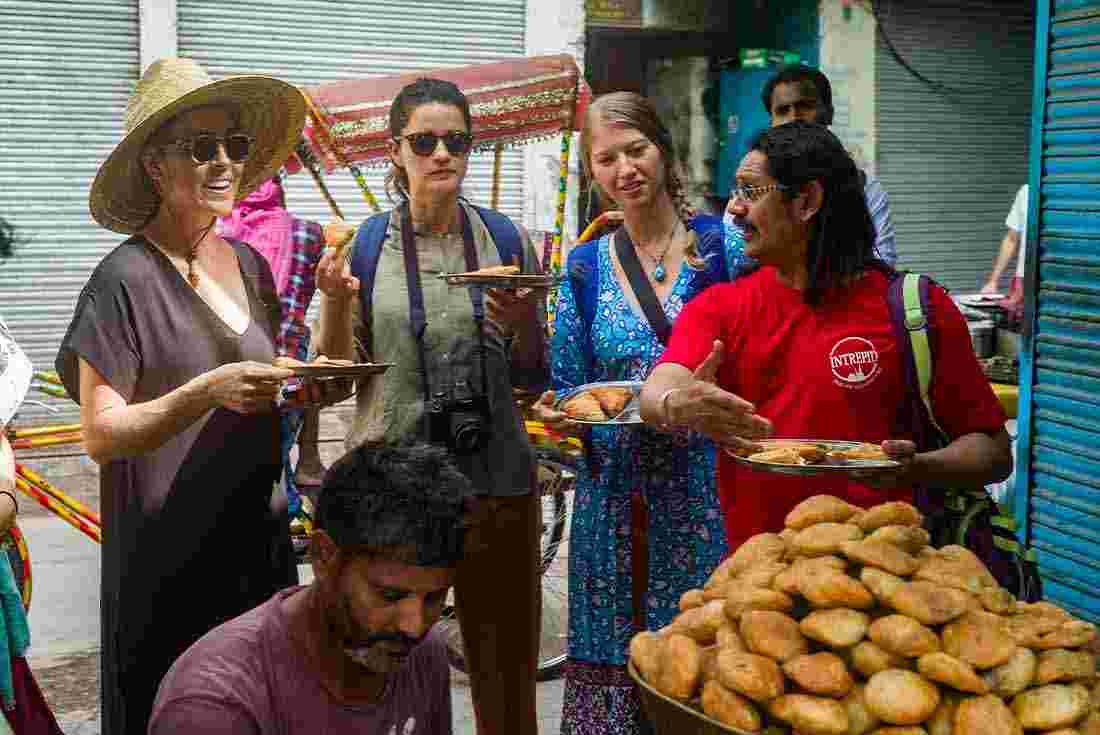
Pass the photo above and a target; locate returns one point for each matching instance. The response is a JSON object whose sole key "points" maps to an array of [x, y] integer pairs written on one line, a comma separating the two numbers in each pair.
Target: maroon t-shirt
{"points": [[245, 677]]}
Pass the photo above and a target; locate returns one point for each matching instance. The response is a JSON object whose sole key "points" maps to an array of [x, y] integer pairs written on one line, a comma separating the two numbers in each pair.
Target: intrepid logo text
{"points": [[854, 363]]}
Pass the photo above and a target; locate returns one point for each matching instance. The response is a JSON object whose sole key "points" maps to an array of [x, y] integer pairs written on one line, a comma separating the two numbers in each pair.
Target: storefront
{"points": [[1058, 493]]}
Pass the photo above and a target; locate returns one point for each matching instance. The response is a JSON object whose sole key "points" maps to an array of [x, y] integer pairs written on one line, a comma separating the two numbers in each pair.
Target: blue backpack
{"points": [[371, 234]]}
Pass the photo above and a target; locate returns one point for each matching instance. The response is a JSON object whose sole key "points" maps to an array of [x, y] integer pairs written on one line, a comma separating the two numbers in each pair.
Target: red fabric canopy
{"points": [[511, 102]]}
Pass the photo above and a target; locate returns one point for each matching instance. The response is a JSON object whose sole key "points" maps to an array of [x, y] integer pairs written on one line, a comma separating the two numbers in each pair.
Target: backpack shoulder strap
{"points": [[505, 235], [365, 254], [908, 302]]}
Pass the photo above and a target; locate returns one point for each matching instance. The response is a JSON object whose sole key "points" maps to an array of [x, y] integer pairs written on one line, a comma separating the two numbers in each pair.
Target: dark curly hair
{"points": [[842, 242], [802, 74], [423, 91], [405, 500]]}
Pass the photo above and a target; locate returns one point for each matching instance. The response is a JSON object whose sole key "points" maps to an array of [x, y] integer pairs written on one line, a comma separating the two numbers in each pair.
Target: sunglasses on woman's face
{"points": [[204, 148], [424, 144]]}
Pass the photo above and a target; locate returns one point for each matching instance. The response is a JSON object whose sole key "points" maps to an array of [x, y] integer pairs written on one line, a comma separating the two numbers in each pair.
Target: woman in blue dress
{"points": [[601, 333]]}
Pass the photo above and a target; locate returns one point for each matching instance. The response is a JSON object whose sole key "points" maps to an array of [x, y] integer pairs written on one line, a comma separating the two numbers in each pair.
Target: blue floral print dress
{"points": [[675, 474]]}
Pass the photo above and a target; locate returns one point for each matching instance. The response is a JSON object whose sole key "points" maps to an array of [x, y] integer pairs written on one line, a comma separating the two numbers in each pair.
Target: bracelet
{"points": [[662, 408], [14, 500]]}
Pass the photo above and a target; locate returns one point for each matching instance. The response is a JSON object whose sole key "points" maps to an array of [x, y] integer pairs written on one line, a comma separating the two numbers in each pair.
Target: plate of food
{"points": [[613, 402], [500, 276], [815, 457], [322, 369]]}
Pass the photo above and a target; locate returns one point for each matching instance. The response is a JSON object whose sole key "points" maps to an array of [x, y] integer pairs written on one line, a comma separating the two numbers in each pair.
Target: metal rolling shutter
{"points": [[1059, 493], [313, 41], [952, 164], [67, 68]]}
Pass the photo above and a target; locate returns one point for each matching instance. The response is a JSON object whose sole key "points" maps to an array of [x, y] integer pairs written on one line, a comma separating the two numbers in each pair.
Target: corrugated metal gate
{"points": [[315, 41], [952, 161], [66, 70], [1058, 497]]}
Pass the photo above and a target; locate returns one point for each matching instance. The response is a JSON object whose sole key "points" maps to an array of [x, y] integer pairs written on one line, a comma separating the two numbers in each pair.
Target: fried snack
{"points": [[700, 624], [882, 584], [900, 730], [681, 666], [585, 407], [728, 637], [821, 673], [1014, 675], [1027, 628], [862, 451], [958, 567], [880, 555], [820, 509], [494, 270], [1062, 665], [901, 697], [691, 599], [788, 580], [762, 547], [860, 719], [740, 600], [839, 627], [986, 715], [729, 707], [890, 514], [283, 361], [338, 233], [822, 539], [773, 634], [1051, 706], [810, 715], [929, 603], [720, 575], [829, 588], [903, 636], [761, 575], [1091, 724], [811, 454], [942, 721], [907, 538], [778, 455], [756, 677], [1070, 634], [612, 399], [957, 674], [979, 638], [869, 658], [997, 600], [645, 653], [708, 663]]}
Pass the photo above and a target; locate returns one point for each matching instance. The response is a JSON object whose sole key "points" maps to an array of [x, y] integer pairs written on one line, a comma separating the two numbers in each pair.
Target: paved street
{"points": [[64, 615]]}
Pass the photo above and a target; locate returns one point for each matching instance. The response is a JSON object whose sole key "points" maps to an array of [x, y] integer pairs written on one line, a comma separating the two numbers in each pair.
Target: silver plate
{"points": [[629, 414], [854, 467], [358, 370], [523, 280]]}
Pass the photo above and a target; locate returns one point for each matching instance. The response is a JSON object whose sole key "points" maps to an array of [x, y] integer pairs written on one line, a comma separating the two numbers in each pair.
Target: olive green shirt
{"points": [[390, 406]]}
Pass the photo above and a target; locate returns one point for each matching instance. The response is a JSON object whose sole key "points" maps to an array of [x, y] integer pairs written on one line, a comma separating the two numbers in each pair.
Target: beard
{"points": [[376, 652]]}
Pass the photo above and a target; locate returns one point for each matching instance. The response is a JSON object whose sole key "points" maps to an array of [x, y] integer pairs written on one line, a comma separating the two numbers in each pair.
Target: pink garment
{"points": [[261, 220]]}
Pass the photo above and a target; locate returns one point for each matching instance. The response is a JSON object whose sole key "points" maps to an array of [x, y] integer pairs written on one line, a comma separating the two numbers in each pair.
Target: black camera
{"points": [[460, 424]]}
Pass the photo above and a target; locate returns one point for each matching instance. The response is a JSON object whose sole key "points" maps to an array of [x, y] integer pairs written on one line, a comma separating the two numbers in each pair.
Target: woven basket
{"points": [[670, 717]]}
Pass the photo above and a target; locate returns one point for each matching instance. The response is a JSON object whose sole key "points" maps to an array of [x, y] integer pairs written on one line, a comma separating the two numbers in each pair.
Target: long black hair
{"points": [[842, 240], [7, 238]]}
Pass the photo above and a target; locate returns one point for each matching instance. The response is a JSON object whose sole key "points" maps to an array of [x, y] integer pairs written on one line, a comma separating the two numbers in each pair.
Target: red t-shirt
{"points": [[830, 372]]}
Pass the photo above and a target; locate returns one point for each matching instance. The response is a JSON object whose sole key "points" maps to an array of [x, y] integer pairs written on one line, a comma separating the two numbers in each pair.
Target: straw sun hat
{"points": [[122, 198]]}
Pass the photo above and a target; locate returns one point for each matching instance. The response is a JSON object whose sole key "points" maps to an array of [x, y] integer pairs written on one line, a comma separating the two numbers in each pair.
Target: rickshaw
{"points": [[512, 103]]}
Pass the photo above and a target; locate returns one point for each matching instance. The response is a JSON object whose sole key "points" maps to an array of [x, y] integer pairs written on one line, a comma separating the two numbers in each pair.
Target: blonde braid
{"points": [[686, 212]]}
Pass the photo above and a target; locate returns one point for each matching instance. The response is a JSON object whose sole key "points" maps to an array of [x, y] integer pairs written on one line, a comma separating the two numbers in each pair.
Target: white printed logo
{"points": [[854, 363]]}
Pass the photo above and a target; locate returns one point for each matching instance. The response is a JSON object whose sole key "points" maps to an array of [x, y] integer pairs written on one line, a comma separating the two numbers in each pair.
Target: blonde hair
{"points": [[632, 110]]}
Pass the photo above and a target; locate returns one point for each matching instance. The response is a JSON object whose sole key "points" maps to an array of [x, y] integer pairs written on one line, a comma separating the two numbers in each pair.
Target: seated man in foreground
{"points": [[353, 652]]}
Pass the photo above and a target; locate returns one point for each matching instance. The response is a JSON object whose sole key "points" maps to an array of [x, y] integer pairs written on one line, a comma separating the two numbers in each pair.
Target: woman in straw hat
{"points": [[169, 354]]}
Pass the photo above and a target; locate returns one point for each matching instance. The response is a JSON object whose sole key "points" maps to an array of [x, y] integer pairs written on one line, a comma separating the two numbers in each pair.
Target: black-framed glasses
{"points": [[753, 193], [204, 148], [457, 142]]}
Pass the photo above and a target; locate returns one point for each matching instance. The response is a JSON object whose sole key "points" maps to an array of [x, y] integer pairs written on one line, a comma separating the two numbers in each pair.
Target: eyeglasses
{"points": [[754, 193], [424, 144], [204, 148]]}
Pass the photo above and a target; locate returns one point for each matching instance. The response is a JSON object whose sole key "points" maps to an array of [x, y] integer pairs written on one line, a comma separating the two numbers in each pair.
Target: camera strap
{"points": [[418, 317]]}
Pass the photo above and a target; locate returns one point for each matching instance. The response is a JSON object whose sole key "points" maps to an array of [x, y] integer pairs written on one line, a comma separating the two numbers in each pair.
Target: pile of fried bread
{"points": [[848, 623], [598, 404]]}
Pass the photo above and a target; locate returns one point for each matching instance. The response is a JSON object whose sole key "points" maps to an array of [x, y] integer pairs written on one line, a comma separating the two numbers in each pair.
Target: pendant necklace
{"points": [[659, 273]]}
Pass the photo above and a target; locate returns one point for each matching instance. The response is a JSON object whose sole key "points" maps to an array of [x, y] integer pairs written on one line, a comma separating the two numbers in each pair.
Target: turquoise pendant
{"points": [[659, 273]]}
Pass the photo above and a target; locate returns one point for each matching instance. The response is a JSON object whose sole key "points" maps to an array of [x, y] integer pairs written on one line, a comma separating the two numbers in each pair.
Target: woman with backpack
{"points": [[646, 521], [457, 353]]}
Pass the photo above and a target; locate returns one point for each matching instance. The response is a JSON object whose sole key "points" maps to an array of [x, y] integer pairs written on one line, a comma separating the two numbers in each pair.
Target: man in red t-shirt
{"points": [[805, 347]]}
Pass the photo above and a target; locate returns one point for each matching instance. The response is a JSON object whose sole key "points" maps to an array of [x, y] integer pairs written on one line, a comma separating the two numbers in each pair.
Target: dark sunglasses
{"points": [[424, 144], [204, 148]]}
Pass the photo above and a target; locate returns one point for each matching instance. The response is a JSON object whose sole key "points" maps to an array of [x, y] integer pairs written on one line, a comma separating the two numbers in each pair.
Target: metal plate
{"points": [[854, 467], [528, 280], [629, 415], [358, 370]]}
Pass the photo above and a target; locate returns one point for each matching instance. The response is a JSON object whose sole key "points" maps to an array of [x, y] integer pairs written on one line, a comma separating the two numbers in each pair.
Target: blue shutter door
{"points": [[1058, 496]]}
